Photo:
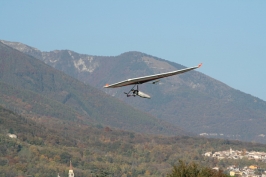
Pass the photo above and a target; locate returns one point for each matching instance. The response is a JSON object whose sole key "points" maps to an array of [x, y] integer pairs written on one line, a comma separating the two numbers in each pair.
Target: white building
{"points": [[208, 154], [12, 136], [70, 172]]}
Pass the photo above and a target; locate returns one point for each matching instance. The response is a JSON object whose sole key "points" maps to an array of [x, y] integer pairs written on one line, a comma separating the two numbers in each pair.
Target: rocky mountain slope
{"points": [[194, 101]]}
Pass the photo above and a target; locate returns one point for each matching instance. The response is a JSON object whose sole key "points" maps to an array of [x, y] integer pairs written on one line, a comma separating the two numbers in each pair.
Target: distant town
{"points": [[247, 171], [223, 135]]}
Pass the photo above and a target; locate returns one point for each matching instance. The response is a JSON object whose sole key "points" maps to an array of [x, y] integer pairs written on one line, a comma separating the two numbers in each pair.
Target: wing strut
{"points": [[133, 91]]}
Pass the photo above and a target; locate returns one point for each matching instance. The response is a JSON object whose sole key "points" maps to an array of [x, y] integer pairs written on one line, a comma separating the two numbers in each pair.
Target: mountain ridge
{"points": [[194, 101], [54, 89]]}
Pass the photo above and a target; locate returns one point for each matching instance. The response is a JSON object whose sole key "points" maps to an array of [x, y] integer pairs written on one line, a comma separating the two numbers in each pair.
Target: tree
{"points": [[65, 157], [194, 170], [11, 131]]}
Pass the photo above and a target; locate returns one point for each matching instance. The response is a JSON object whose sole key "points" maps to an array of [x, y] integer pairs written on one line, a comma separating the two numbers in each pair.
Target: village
{"points": [[247, 171]]}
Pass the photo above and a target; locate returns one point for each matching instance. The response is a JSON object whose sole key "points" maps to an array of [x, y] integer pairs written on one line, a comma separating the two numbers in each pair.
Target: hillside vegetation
{"points": [[44, 148]]}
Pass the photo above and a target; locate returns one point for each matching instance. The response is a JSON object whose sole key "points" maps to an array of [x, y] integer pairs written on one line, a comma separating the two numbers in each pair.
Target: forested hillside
{"points": [[194, 101], [44, 148]]}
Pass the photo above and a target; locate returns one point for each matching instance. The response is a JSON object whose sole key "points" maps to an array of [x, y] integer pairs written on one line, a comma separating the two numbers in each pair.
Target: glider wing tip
{"points": [[199, 65], [107, 85]]}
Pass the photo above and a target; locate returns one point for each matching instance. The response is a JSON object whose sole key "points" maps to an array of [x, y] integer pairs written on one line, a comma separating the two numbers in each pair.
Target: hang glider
{"points": [[140, 80]]}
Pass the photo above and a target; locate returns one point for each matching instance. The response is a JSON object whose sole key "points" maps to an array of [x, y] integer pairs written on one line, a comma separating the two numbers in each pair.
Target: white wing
{"points": [[141, 80]]}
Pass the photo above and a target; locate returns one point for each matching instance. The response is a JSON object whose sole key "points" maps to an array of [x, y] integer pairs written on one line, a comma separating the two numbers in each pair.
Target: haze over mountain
{"points": [[36, 90], [194, 101]]}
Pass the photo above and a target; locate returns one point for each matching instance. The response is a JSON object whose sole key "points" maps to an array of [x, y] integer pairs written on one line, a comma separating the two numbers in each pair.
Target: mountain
{"points": [[193, 101], [36, 90]]}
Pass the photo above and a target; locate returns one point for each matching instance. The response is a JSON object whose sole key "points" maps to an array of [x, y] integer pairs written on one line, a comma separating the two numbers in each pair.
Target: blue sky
{"points": [[227, 36]]}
